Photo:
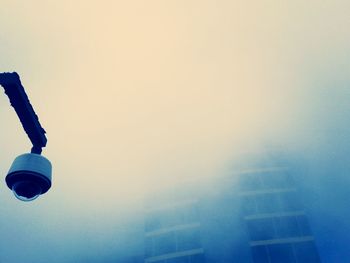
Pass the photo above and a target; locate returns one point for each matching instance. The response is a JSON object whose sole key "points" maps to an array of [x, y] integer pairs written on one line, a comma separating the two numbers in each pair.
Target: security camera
{"points": [[29, 176]]}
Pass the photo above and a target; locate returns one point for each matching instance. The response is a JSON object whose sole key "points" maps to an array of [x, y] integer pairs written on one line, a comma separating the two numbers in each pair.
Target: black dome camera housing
{"points": [[29, 176]]}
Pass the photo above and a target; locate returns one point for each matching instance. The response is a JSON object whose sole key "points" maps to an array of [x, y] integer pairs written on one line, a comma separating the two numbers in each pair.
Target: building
{"points": [[251, 215], [274, 216], [172, 230]]}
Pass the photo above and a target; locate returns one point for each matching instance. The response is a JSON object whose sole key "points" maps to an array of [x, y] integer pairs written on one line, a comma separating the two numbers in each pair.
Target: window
{"points": [[260, 255], [198, 258], [281, 253], [149, 247], [171, 217], [306, 252], [286, 226], [188, 239], [250, 182], [248, 205], [261, 229], [303, 225], [290, 201], [275, 180], [164, 244], [268, 203]]}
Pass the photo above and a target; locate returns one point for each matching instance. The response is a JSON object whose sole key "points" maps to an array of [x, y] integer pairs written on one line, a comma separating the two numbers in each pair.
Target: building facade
{"points": [[251, 215], [172, 231], [274, 217]]}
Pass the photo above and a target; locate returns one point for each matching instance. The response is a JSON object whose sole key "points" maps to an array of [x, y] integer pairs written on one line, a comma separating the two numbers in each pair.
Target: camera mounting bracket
{"points": [[20, 102]]}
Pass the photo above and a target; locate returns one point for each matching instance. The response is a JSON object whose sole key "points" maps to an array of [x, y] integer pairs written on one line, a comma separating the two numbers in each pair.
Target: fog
{"points": [[137, 96]]}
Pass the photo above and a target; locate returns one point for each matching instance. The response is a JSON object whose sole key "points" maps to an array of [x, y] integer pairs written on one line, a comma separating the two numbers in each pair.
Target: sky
{"points": [[135, 95]]}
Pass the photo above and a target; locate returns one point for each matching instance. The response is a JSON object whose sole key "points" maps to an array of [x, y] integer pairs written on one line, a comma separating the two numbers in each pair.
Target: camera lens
{"points": [[26, 190], [29, 176]]}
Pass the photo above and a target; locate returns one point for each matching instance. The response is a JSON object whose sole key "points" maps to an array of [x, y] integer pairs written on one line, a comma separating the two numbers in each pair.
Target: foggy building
{"points": [[274, 216], [172, 229], [251, 215]]}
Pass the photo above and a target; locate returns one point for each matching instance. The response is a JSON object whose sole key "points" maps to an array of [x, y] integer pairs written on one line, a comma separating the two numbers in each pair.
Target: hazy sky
{"points": [[137, 94]]}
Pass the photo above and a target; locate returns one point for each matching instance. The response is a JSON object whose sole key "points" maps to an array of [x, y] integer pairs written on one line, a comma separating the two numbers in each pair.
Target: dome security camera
{"points": [[29, 176]]}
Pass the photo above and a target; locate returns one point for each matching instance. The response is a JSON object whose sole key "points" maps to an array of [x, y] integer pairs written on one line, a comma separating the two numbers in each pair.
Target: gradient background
{"points": [[135, 95]]}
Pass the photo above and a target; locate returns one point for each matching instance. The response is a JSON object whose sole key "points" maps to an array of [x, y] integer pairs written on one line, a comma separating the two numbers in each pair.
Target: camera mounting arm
{"points": [[20, 102]]}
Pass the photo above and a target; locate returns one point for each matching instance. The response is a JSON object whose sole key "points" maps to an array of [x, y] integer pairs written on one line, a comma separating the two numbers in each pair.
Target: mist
{"points": [[137, 97]]}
